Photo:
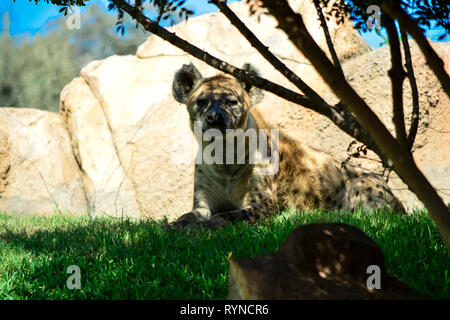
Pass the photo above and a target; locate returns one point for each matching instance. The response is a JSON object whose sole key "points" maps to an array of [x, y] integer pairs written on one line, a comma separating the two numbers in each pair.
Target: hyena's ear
{"points": [[184, 82], [255, 93]]}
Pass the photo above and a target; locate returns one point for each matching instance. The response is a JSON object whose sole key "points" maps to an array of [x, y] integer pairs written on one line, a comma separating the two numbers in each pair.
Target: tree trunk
{"points": [[403, 162]]}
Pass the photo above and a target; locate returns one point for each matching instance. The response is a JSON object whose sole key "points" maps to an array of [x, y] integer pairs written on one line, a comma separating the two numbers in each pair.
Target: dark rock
{"points": [[317, 261]]}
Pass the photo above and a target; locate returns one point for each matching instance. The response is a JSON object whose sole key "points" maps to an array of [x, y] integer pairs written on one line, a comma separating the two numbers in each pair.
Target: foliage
{"points": [[424, 11], [35, 70], [146, 262], [30, 76], [166, 10]]}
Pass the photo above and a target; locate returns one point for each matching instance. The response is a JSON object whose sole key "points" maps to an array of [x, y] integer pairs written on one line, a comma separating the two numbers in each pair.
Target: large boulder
{"points": [[318, 261], [108, 189], [38, 172], [127, 134], [131, 137], [214, 33]]}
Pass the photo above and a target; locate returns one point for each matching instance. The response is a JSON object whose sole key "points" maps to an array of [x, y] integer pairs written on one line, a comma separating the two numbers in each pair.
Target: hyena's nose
{"points": [[215, 117]]}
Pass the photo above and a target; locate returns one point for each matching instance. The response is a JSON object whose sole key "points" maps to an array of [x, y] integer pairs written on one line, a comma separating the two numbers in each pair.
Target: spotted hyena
{"points": [[305, 178]]}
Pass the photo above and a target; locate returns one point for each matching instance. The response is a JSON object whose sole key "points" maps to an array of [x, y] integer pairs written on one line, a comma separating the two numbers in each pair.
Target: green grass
{"points": [[123, 259]]}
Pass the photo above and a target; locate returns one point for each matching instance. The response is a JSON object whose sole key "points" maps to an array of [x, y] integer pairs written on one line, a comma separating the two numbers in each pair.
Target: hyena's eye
{"points": [[231, 101], [202, 102]]}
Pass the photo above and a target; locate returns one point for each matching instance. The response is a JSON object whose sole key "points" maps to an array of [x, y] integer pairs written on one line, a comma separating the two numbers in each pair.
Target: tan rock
{"points": [[38, 172], [108, 189], [215, 34]]}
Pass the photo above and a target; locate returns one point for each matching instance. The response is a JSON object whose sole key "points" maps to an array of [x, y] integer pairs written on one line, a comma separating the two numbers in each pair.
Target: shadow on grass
{"points": [[122, 259], [118, 260]]}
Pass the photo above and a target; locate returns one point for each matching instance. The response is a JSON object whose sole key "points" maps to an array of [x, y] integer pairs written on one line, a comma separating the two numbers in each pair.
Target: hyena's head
{"points": [[220, 102]]}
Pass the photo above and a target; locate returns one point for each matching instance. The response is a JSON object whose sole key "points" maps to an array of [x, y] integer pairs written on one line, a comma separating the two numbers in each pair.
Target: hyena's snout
{"points": [[218, 118], [215, 117]]}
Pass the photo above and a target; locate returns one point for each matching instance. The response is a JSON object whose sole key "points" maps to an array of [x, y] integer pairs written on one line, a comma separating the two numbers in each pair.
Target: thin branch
{"points": [[214, 62], [326, 32], [403, 163], [341, 117], [408, 24], [267, 54], [292, 23], [397, 75], [414, 92], [162, 9]]}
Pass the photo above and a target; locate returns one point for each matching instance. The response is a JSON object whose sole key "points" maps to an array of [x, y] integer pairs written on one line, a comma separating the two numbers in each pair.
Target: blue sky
{"points": [[27, 17]]}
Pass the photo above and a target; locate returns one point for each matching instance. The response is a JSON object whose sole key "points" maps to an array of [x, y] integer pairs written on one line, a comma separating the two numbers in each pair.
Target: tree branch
{"points": [[214, 62], [408, 24], [265, 52], [326, 33], [161, 12], [414, 92], [397, 75], [341, 117], [402, 160]]}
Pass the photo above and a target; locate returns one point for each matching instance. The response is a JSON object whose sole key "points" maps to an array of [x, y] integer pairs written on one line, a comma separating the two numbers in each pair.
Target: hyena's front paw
{"points": [[184, 223], [217, 222]]}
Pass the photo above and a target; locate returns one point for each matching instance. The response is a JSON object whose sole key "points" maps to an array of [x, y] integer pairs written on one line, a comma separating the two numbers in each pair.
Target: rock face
{"points": [[317, 261], [109, 191], [132, 140], [127, 135], [203, 32], [38, 172]]}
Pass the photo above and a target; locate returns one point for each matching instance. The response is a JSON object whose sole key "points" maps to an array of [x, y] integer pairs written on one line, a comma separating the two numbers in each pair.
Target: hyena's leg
{"points": [[369, 191], [199, 215], [257, 204], [222, 219]]}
